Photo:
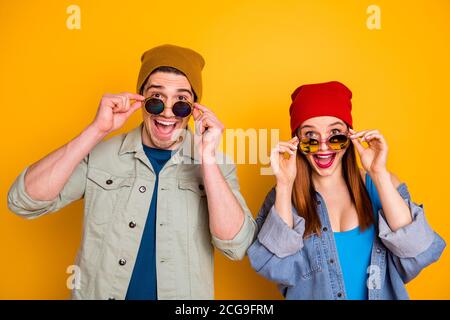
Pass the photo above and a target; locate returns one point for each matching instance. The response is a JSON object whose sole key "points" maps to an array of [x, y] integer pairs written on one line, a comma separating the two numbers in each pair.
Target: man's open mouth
{"points": [[165, 127]]}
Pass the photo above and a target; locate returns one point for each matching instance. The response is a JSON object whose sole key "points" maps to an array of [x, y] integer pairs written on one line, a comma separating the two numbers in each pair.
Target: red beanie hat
{"points": [[320, 99]]}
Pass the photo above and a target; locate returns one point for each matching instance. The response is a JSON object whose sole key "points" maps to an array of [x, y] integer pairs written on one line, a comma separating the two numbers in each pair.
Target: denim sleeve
{"points": [[413, 246], [274, 253]]}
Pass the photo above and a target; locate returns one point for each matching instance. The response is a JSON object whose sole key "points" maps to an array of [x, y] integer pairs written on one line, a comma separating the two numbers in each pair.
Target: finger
{"points": [[202, 123], [125, 102], [289, 145], [294, 141], [373, 137], [134, 96], [359, 147], [196, 114], [207, 122], [369, 133], [275, 160], [284, 149], [116, 103], [358, 134], [135, 106], [211, 118], [274, 151], [201, 107]]}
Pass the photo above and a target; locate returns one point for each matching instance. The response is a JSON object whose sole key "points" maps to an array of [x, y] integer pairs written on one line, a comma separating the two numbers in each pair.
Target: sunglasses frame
{"points": [[191, 105], [327, 141]]}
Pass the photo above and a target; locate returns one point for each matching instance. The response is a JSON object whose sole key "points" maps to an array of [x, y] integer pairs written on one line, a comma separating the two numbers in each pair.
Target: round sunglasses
{"points": [[335, 142], [180, 109]]}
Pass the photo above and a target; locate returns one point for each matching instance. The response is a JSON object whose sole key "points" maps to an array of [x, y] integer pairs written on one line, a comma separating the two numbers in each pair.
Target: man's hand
{"points": [[208, 132], [114, 110]]}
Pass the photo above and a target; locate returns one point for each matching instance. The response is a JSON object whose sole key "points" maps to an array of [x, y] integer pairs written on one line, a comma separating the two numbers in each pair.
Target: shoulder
{"points": [[110, 146], [107, 157]]}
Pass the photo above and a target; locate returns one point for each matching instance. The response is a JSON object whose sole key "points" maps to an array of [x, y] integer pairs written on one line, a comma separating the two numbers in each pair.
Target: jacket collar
{"points": [[133, 143]]}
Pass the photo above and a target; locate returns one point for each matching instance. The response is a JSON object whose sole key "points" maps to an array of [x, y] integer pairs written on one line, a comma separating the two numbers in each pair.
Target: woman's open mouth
{"points": [[165, 128], [324, 161]]}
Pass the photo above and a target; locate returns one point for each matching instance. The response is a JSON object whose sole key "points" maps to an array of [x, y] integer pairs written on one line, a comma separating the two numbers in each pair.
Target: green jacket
{"points": [[116, 181]]}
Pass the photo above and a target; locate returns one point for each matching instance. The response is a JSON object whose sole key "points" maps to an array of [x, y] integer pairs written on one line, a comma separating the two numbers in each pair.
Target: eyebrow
{"points": [[330, 125], [156, 86], [335, 123]]}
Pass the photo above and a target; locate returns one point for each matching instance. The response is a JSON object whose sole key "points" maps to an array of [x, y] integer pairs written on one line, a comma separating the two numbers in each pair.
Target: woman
{"points": [[328, 229]]}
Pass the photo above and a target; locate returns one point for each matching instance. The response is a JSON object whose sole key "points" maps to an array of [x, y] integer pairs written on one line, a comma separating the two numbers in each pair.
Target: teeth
{"points": [[164, 123], [324, 157]]}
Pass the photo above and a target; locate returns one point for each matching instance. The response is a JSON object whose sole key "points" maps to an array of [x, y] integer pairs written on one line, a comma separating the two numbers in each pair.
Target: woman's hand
{"points": [[373, 158], [284, 168]]}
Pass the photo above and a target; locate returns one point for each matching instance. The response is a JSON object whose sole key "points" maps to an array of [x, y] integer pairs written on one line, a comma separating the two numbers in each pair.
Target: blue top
{"points": [[143, 280], [354, 249]]}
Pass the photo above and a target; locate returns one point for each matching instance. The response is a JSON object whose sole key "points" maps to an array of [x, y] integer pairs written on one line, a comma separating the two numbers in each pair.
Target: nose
{"points": [[323, 145], [167, 112]]}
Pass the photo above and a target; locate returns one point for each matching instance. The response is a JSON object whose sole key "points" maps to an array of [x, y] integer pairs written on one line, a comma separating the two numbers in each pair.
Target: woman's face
{"points": [[325, 161]]}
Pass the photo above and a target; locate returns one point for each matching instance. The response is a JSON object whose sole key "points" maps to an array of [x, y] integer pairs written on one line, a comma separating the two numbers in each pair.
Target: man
{"points": [[153, 208]]}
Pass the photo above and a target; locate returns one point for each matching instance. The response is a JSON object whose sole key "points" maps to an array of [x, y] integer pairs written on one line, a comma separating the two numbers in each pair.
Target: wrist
{"points": [[284, 187], [284, 191], [381, 177], [209, 159], [379, 174], [94, 131]]}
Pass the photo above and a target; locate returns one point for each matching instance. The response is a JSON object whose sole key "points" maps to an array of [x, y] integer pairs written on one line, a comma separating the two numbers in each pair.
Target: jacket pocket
{"points": [[104, 193], [195, 203], [312, 258]]}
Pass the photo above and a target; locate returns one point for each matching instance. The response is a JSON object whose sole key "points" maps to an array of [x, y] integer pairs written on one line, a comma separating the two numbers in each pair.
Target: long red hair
{"points": [[303, 195]]}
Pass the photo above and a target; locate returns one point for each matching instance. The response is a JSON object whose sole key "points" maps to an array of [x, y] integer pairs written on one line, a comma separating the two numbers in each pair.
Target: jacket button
{"points": [[339, 294], [201, 187], [142, 189], [378, 250], [132, 224], [109, 181], [318, 202], [122, 262], [331, 261], [325, 229]]}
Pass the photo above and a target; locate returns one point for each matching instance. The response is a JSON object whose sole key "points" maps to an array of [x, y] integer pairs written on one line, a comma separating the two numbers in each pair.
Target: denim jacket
{"points": [[309, 268]]}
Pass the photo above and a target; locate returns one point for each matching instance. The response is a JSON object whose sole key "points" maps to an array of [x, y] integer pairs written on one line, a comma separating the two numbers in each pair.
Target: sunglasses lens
{"points": [[338, 142], [181, 109], [309, 145], [154, 106]]}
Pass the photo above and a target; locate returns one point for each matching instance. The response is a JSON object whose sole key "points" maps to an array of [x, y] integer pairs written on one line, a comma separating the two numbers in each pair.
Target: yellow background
{"points": [[257, 52]]}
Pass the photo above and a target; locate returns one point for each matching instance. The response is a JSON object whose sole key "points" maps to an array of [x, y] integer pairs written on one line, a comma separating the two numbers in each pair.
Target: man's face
{"points": [[162, 130]]}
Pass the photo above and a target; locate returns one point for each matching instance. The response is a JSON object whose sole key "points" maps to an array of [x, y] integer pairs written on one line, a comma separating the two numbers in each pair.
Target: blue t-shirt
{"points": [[354, 250], [143, 280]]}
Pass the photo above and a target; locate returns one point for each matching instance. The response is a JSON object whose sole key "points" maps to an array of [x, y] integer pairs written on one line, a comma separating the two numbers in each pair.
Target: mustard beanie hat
{"points": [[186, 60]]}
